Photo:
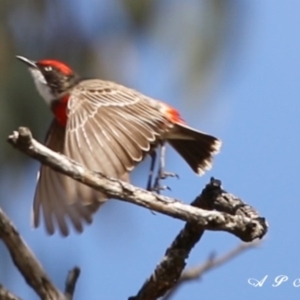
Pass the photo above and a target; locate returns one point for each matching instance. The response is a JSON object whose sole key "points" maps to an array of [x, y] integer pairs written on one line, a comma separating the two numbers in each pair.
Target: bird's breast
{"points": [[59, 109]]}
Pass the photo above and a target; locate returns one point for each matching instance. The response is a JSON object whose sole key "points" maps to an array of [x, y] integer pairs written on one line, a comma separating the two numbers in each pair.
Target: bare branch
{"points": [[214, 209], [168, 273], [6, 294], [26, 262], [195, 273], [245, 226], [71, 283]]}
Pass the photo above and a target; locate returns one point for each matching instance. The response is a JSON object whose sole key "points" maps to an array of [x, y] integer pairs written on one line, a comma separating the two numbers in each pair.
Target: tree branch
{"points": [[6, 294], [167, 274], [195, 273], [246, 224], [71, 283], [30, 267], [214, 209], [26, 262]]}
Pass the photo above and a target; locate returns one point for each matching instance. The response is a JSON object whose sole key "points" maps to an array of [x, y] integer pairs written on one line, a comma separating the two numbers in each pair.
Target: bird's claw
{"points": [[158, 188], [164, 175], [161, 176]]}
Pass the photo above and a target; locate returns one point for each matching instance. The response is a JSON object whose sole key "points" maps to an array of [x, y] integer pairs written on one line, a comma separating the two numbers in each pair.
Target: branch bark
{"points": [[26, 262], [195, 273], [6, 294], [246, 226], [214, 209], [30, 268], [167, 274], [71, 283]]}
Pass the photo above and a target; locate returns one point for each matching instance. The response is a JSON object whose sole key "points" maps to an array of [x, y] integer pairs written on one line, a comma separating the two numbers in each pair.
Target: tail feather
{"points": [[195, 147]]}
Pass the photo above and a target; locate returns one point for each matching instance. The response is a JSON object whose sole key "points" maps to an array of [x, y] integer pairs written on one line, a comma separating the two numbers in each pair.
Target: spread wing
{"points": [[110, 127], [54, 191]]}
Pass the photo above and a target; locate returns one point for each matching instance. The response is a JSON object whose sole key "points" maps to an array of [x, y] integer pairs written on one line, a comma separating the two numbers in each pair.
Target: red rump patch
{"points": [[56, 64], [59, 108], [174, 115]]}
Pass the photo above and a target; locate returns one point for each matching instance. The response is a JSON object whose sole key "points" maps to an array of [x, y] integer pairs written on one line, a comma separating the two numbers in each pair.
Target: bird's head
{"points": [[51, 77]]}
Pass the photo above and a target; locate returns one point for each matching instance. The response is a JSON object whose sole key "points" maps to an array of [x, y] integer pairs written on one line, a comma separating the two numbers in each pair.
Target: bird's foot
{"points": [[162, 175], [157, 188]]}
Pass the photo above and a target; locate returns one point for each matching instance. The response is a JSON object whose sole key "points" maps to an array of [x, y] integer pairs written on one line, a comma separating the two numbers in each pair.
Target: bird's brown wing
{"points": [[110, 127], [54, 190]]}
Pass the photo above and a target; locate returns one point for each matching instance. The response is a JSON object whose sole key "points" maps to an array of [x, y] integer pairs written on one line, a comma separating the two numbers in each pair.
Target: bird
{"points": [[107, 128]]}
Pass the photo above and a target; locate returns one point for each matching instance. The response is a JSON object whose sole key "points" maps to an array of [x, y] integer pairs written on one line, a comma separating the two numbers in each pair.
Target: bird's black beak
{"points": [[28, 62]]}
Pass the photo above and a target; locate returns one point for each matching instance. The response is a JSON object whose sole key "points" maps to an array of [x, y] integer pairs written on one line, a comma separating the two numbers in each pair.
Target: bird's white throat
{"points": [[41, 85]]}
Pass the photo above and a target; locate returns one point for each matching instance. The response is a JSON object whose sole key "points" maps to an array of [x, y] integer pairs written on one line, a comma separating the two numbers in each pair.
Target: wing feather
{"points": [[57, 205], [117, 144], [58, 196], [114, 150], [110, 129], [121, 121]]}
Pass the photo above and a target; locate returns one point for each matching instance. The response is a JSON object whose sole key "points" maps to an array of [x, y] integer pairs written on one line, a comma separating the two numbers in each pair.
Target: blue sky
{"points": [[255, 110]]}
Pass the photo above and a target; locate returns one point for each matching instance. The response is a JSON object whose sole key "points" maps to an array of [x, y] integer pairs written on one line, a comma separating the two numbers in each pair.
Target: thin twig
{"points": [[71, 283]]}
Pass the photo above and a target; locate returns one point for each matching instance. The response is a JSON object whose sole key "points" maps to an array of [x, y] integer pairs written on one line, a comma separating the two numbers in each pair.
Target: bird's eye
{"points": [[48, 68]]}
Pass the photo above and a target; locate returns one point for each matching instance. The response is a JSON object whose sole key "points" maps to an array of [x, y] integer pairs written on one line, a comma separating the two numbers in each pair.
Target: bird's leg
{"points": [[161, 171], [151, 171], [162, 174]]}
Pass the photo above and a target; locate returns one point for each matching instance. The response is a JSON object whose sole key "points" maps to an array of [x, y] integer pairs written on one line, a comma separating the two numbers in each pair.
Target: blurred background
{"points": [[231, 67]]}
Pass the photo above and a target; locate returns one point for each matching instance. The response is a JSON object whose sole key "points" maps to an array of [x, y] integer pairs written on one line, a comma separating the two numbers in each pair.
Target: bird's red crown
{"points": [[63, 68]]}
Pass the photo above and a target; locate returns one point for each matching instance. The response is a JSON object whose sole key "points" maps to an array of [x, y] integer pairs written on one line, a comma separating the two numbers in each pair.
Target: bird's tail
{"points": [[195, 147]]}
